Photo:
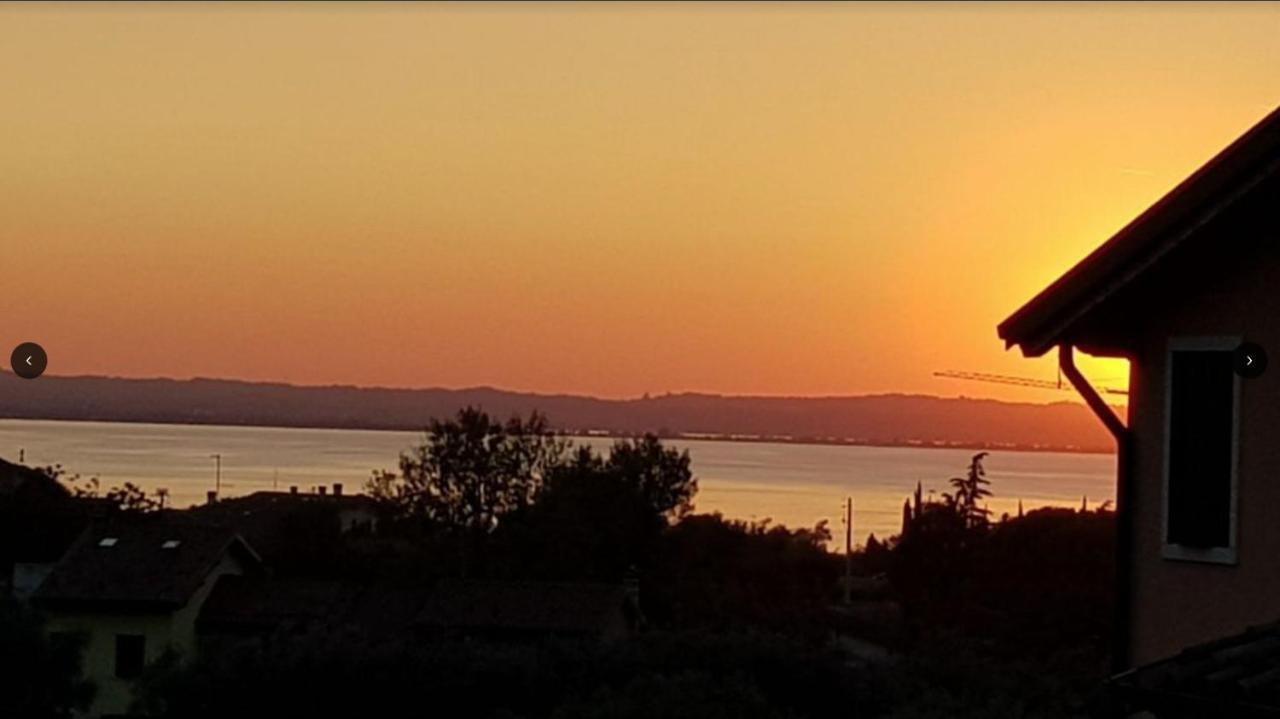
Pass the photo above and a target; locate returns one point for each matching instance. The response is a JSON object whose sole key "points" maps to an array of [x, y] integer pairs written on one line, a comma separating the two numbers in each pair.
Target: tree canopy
{"points": [[472, 471]]}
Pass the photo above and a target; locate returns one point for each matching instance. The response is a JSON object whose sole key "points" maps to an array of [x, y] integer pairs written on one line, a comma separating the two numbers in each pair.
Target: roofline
{"points": [[237, 539], [1040, 323], [62, 602], [120, 606]]}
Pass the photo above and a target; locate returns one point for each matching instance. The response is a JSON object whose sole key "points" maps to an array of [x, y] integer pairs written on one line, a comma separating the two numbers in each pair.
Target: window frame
{"points": [[1229, 554]]}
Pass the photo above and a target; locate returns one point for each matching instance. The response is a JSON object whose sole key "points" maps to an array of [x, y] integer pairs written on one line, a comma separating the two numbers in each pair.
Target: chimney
{"points": [[322, 489], [211, 497], [337, 489], [293, 489]]}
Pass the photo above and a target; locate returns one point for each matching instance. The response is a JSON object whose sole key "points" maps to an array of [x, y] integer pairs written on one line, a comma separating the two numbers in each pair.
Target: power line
{"points": [[1019, 381]]}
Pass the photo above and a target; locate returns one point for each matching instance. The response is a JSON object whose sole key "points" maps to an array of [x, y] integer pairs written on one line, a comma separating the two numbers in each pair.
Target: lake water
{"points": [[792, 484]]}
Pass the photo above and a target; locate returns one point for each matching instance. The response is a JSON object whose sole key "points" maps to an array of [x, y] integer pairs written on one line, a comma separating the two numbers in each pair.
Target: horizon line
{"points": [[647, 396]]}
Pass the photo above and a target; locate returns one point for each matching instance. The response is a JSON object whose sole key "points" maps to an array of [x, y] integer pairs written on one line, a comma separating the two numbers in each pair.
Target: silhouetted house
{"points": [[256, 610], [135, 589], [351, 512], [1176, 292], [529, 611], [294, 532]]}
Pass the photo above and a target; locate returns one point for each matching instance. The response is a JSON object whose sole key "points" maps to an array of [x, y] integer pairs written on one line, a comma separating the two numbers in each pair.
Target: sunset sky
{"points": [[798, 200]]}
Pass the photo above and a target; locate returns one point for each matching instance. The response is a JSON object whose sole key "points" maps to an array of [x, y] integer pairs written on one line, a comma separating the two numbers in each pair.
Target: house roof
{"points": [[146, 564], [1049, 317], [242, 604], [257, 606], [1237, 676], [264, 503], [570, 608], [16, 479]]}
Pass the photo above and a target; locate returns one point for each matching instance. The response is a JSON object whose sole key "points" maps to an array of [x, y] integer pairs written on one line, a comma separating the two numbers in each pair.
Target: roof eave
{"points": [[1038, 325]]}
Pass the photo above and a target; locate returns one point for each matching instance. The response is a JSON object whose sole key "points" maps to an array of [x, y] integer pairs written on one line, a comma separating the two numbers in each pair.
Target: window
{"points": [[131, 652], [1200, 454], [107, 542]]}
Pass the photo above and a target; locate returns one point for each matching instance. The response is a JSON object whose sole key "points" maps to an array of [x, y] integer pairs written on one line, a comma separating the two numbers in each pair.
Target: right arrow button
{"points": [[1250, 360]]}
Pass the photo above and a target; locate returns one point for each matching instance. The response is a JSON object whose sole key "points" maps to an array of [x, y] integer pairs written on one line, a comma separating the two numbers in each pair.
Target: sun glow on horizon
{"points": [[752, 199]]}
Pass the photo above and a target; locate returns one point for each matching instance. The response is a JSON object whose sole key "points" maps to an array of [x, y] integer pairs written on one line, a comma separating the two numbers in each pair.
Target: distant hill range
{"points": [[889, 419]]}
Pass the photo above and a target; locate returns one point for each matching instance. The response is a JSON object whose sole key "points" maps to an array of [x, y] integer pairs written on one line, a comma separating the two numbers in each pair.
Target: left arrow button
{"points": [[28, 360]]}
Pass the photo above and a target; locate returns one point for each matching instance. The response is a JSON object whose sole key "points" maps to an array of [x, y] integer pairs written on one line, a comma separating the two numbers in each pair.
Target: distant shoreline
{"points": [[884, 420], [605, 434]]}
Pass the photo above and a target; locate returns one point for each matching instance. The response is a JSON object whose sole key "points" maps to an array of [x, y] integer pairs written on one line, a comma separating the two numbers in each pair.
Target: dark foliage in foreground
{"points": [[713, 573], [658, 675], [1002, 619], [1026, 585], [1006, 619]]}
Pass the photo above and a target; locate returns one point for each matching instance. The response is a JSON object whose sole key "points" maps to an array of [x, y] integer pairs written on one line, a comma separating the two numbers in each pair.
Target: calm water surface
{"points": [[792, 484]]}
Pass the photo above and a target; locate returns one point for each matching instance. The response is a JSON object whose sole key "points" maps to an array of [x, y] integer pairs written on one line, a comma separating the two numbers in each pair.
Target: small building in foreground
{"points": [[134, 589]]}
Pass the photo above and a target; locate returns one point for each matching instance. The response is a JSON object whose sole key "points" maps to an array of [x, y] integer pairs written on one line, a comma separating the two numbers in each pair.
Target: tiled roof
{"points": [[241, 604], [148, 563], [1237, 676]]}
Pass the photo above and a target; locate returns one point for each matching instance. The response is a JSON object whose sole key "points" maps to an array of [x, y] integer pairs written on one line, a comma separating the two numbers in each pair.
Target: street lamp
{"points": [[217, 473]]}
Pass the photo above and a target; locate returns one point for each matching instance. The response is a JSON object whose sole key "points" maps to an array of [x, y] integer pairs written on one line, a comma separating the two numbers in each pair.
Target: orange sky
{"points": [[603, 200]]}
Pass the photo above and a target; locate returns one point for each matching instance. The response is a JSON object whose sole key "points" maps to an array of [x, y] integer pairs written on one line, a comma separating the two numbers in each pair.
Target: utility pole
{"points": [[848, 550], [217, 474]]}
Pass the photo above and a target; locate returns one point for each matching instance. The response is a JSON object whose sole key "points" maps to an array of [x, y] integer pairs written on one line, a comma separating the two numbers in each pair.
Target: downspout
{"points": [[1124, 505]]}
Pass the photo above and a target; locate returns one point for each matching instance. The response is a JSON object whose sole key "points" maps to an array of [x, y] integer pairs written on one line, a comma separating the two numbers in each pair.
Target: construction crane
{"points": [[1020, 381]]}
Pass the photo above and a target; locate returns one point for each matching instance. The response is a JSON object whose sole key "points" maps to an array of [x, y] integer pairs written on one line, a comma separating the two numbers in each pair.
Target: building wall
{"points": [[175, 630], [1225, 288], [112, 695]]}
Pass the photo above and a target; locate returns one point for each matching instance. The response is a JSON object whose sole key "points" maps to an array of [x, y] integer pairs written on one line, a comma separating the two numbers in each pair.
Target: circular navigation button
{"points": [[28, 360], [1250, 360]]}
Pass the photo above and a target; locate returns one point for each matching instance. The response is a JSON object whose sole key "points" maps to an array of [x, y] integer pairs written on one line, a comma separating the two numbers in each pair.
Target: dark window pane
{"points": [[1202, 409], [130, 655]]}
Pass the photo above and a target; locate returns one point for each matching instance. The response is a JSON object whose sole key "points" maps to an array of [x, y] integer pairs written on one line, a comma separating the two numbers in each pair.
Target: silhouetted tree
{"points": [[715, 573], [595, 517], [587, 522], [660, 475], [128, 497], [471, 471], [969, 491]]}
